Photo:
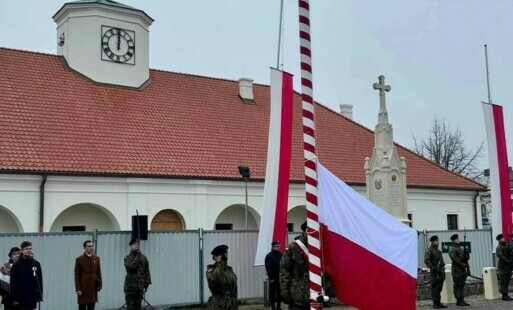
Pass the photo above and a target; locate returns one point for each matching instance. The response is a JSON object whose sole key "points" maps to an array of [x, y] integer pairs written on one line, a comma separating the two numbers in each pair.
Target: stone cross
{"points": [[382, 92]]}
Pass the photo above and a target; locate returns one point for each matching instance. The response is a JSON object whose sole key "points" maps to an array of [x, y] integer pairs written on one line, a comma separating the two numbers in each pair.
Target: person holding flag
{"points": [[294, 279]]}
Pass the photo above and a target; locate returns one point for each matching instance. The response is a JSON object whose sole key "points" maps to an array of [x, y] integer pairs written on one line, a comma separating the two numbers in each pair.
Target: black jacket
{"points": [[272, 264], [26, 289]]}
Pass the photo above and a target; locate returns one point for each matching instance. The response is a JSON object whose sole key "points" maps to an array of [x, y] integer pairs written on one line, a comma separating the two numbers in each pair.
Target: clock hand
{"points": [[119, 39]]}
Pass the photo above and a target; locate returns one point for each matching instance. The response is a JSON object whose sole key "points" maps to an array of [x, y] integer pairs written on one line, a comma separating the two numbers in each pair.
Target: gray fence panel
{"points": [[112, 248], [481, 246], [56, 253], [175, 267], [242, 249], [421, 249]]}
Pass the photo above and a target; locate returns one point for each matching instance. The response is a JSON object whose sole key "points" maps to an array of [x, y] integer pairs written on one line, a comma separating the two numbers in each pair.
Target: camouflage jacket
{"points": [[459, 258], [222, 281], [138, 276], [294, 280], [434, 260], [505, 256]]}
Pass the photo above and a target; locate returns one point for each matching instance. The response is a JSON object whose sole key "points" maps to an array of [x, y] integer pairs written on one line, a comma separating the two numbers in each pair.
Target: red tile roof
{"points": [[53, 120]]}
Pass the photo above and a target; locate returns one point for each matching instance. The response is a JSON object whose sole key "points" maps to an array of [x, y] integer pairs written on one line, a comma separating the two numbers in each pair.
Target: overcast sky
{"points": [[431, 52]]}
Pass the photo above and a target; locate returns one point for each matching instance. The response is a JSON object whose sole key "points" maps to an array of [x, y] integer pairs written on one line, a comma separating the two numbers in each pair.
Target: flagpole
{"points": [[487, 74], [279, 36], [310, 157]]}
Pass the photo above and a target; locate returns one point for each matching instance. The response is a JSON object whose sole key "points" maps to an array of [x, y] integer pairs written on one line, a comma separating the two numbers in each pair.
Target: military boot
{"points": [[506, 297], [464, 302], [441, 305], [436, 305], [460, 302]]}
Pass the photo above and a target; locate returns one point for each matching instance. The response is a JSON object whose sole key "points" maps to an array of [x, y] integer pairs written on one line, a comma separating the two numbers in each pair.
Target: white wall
{"points": [[431, 207], [198, 202]]}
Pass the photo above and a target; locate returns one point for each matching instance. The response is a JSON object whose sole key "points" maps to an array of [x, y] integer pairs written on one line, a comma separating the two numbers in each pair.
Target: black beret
{"points": [[275, 243], [304, 226], [15, 249], [219, 250], [433, 238], [133, 241], [499, 237], [454, 237]]}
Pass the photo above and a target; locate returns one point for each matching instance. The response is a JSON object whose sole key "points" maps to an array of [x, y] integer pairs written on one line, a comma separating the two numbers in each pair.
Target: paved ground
{"points": [[476, 302]]}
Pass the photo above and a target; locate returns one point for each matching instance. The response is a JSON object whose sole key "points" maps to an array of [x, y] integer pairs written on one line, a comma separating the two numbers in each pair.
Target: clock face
{"points": [[118, 45]]}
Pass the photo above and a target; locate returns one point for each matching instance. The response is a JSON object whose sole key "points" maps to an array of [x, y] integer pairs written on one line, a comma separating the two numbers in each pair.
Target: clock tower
{"points": [[105, 41]]}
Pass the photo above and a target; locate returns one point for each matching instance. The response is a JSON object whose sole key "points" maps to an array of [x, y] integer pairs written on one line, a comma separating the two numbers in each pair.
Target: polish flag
{"points": [[273, 225], [499, 174], [370, 255]]}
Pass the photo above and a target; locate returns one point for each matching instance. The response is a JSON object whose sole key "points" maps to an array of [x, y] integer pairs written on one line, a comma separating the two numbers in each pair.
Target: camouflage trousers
{"points": [[504, 276], [437, 283], [134, 300], [217, 302], [459, 285]]}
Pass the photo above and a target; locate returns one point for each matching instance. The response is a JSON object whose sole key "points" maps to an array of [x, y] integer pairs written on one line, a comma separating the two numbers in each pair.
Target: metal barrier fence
{"points": [[480, 242], [178, 263]]}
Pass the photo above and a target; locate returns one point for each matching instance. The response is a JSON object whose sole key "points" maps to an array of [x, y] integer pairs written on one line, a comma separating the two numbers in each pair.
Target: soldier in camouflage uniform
{"points": [[222, 281], [137, 278], [459, 268], [294, 280], [435, 261], [504, 267]]}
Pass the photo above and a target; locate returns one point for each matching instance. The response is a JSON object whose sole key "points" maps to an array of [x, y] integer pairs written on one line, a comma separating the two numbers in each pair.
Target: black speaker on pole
{"points": [[140, 226]]}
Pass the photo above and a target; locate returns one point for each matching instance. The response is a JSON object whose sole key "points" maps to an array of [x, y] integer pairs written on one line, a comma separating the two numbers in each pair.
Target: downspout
{"points": [[42, 203], [475, 210]]}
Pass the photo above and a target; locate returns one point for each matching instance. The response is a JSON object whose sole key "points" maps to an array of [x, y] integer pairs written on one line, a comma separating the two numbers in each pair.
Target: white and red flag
{"points": [[273, 225], [499, 174], [370, 255]]}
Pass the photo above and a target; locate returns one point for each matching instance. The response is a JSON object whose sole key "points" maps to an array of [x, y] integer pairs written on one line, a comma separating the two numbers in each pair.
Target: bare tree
{"points": [[446, 147]]}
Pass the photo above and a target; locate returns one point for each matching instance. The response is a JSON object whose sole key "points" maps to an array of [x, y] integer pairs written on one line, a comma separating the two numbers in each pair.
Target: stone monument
{"points": [[385, 171]]}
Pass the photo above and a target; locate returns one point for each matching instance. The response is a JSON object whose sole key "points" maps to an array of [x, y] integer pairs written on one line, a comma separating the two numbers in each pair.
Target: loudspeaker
{"points": [[143, 227]]}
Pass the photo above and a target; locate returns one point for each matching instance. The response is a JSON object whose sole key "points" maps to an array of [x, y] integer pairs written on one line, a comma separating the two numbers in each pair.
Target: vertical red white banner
{"points": [[273, 225], [502, 220]]}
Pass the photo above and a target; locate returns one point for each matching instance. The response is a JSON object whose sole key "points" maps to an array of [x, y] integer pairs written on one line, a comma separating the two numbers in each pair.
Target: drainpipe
{"points": [[42, 203], [475, 210]]}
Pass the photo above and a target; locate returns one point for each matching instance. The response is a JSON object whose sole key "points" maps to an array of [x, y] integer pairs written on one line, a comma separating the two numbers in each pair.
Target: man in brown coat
{"points": [[88, 277]]}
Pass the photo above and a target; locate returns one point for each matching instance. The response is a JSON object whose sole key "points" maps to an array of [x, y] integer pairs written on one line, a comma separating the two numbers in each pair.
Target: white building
{"points": [[90, 135]]}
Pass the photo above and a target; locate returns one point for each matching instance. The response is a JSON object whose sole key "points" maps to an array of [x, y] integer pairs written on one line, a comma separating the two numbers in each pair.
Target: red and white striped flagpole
{"points": [[314, 245]]}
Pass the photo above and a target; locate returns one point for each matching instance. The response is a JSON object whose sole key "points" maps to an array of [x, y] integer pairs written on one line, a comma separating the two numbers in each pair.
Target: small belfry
{"points": [[105, 41], [385, 171]]}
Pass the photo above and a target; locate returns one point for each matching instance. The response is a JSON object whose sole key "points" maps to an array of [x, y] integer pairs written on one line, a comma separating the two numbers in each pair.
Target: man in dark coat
{"points": [[272, 267], [88, 277], [435, 261], [504, 266], [5, 270], [26, 280], [137, 278]]}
